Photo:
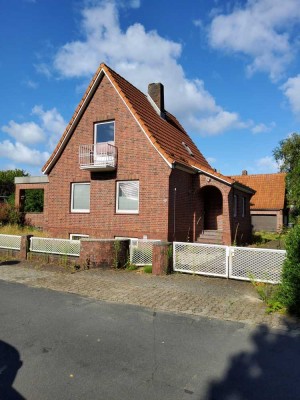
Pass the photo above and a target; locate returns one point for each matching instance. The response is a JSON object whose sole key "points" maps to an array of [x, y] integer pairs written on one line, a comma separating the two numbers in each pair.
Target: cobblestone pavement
{"points": [[182, 293]]}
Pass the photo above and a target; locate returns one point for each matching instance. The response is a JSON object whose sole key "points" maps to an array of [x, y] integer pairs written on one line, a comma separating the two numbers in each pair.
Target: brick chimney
{"points": [[244, 172], [156, 92]]}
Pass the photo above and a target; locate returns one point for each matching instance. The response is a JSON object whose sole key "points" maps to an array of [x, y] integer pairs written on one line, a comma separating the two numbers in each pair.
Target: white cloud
{"points": [[49, 130], [291, 89], [261, 30], [142, 57], [135, 3], [211, 160], [267, 164], [43, 69], [52, 123], [26, 132], [198, 23], [260, 128], [22, 154], [217, 123], [31, 84]]}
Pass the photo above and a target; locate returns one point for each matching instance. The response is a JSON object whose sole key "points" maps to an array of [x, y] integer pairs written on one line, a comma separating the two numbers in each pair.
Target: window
{"points": [[235, 205], [78, 236], [80, 197], [187, 149], [244, 207], [105, 132], [127, 197]]}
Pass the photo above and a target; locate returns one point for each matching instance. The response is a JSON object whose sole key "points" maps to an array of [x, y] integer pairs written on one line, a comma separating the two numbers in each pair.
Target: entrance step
{"points": [[210, 237]]}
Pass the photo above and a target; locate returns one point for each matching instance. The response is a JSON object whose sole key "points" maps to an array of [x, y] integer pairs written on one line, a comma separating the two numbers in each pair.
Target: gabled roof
{"points": [[166, 134], [270, 190]]}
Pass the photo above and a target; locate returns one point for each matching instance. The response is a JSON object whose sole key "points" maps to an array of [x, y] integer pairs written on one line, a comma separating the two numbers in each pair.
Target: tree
{"points": [[7, 183], [34, 200], [287, 154]]}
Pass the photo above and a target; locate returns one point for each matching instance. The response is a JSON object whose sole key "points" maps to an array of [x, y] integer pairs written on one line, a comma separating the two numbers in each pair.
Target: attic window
{"points": [[188, 149]]}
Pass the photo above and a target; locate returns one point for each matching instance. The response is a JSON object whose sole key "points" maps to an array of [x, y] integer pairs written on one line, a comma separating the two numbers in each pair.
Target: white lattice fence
{"points": [[263, 265], [141, 251], [200, 259], [12, 242], [55, 246]]}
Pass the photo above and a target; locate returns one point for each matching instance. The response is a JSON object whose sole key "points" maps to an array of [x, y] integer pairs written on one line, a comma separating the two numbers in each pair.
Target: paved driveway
{"points": [[201, 296]]}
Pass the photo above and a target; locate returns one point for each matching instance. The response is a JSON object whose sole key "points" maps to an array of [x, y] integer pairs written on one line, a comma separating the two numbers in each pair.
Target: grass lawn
{"points": [[21, 230], [269, 240]]}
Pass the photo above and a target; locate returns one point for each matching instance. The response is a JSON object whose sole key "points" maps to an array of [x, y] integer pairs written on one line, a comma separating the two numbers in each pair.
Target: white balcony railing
{"points": [[99, 156]]}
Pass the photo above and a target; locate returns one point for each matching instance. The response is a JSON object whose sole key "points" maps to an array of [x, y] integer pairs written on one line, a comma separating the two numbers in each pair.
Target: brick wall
{"points": [[137, 160], [240, 225], [181, 206]]}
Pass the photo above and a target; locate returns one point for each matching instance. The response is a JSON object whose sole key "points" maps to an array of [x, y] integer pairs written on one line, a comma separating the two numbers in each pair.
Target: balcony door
{"points": [[104, 140], [104, 132]]}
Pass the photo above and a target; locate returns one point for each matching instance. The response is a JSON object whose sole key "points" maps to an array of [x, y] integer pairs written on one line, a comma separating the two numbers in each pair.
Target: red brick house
{"points": [[268, 207], [125, 167]]}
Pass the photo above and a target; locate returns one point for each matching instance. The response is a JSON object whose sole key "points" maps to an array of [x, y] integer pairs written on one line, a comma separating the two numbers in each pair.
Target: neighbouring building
{"points": [[125, 167], [268, 206]]}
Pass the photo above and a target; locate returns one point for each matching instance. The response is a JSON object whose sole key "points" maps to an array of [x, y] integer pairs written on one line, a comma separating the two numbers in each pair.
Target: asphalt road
{"points": [[61, 346]]}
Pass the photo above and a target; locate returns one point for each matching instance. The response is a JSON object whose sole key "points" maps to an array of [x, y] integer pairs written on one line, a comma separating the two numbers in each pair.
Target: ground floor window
{"points": [[127, 197], [78, 236], [80, 197]]}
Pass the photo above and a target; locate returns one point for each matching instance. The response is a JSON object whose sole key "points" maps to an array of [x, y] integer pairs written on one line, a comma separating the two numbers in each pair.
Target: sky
{"points": [[231, 71]]}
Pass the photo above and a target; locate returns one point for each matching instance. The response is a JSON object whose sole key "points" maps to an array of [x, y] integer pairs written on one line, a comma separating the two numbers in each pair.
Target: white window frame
{"points": [[72, 235], [78, 210], [102, 123], [235, 205], [117, 199]]}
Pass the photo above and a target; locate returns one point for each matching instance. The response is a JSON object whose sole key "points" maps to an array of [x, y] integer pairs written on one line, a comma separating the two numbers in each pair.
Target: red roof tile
{"points": [[270, 190], [166, 134]]}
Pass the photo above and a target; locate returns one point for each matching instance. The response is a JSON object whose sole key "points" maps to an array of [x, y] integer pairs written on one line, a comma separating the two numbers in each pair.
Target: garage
{"points": [[264, 222]]}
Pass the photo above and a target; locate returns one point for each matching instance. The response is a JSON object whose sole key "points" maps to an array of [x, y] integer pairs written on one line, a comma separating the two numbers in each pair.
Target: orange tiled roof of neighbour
{"points": [[270, 190]]}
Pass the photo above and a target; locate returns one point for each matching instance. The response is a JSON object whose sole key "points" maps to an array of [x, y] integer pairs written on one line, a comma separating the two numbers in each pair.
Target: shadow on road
{"points": [[10, 363], [10, 262], [270, 371]]}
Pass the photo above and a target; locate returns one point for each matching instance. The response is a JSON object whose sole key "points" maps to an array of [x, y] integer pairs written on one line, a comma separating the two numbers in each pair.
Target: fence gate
{"points": [[202, 259], [243, 263]]}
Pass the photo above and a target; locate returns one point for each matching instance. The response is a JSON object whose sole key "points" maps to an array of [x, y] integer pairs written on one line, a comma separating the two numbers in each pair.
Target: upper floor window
{"points": [[105, 132], [128, 197], [80, 197]]}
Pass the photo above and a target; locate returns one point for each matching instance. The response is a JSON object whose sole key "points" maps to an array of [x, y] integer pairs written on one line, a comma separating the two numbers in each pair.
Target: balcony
{"points": [[98, 157]]}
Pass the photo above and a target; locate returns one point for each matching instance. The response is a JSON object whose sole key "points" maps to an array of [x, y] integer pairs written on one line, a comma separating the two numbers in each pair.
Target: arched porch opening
{"points": [[212, 202]]}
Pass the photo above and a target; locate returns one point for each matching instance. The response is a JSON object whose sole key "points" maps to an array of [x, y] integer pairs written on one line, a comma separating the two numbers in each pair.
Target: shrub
{"points": [[289, 293], [9, 214]]}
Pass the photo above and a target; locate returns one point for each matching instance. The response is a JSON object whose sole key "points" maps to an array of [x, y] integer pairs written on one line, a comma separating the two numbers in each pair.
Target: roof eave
{"points": [[74, 123], [243, 188]]}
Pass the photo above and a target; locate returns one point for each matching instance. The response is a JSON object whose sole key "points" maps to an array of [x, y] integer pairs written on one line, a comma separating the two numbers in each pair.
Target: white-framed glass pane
{"points": [[244, 207], [235, 205], [128, 196], [81, 197], [105, 132], [78, 236]]}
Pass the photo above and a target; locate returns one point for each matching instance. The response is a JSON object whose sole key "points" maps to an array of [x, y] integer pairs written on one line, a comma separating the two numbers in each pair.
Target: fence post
{"points": [[161, 258], [25, 244]]}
